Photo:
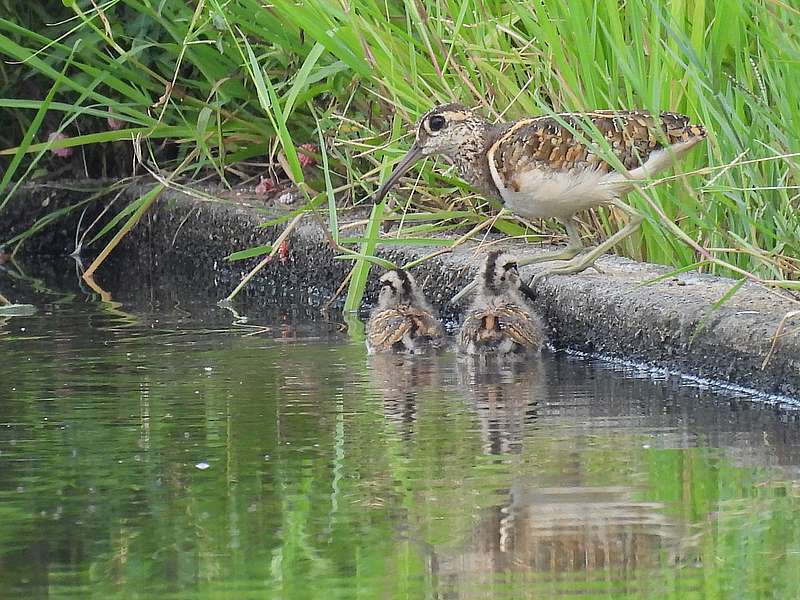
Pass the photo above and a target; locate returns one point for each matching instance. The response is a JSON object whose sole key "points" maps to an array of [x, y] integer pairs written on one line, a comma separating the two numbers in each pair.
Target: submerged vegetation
{"points": [[233, 88]]}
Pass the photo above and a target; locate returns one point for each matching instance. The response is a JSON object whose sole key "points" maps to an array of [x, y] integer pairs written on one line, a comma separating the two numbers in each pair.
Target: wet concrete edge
{"points": [[669, 324]]}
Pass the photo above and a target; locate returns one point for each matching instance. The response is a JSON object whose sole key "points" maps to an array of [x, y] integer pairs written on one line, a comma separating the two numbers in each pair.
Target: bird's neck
{"points": [[491, 298], [472, 164]]}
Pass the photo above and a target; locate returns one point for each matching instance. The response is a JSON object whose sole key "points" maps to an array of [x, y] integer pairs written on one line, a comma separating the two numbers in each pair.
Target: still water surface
{"points": [[169, 454]]}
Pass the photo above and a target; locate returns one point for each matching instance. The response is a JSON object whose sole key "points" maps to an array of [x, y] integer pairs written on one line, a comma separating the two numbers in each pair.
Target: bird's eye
{"points": [[436, 122], [509, 266]]}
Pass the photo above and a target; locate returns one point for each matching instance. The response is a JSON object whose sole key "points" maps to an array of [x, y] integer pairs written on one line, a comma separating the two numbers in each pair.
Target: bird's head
{"points": [[399, 287], [499, 275], [450, 130]]}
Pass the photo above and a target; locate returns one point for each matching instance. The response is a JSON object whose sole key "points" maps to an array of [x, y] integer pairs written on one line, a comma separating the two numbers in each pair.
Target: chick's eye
{"points": [[436, 122], [510, 266]]}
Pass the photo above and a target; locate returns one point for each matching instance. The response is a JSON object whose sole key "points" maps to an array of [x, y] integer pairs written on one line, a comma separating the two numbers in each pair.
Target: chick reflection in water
{"points": [[402, 381], [499, 322], [403, 321], [506, 397]]}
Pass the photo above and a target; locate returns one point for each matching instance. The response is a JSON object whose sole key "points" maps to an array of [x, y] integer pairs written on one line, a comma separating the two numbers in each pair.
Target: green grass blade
{"points": [[249, 253], [301, 79], [375, 260], [358, 282], [269, 102], [33, 129], [333, 216]]}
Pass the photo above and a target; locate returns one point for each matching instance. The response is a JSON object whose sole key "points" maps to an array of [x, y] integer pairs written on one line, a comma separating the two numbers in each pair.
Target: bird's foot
{"points": [[577, 265], [567, 253]]}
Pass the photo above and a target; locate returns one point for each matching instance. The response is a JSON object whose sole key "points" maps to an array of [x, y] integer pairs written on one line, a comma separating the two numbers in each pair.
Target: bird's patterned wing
{"points": [[481, 327], [386, 328], [521, 326], [404, 324], [543, 143], [426, 327], [489, 327]]}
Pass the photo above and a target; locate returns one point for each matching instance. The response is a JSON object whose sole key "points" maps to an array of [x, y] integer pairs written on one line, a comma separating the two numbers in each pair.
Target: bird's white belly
{"points": [[539, 194]]}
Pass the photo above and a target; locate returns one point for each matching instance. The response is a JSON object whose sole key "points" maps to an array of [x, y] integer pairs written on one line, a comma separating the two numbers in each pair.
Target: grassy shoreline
{"points": [[229, 85]]}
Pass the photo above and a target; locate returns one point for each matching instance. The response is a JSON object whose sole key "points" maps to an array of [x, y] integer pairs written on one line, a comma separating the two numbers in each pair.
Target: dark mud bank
{"points": [[669, 324]]}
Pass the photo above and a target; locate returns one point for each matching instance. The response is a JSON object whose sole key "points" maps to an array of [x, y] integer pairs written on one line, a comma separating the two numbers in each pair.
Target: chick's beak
{"points": [[527, 291], [404, 165]]}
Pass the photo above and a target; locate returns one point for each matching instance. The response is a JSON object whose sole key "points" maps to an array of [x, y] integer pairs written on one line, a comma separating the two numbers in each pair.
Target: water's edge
{"points": [[669, 325]]}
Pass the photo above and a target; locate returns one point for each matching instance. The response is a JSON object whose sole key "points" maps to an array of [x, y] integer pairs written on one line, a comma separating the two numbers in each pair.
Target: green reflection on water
{"points": [[140, 461]]}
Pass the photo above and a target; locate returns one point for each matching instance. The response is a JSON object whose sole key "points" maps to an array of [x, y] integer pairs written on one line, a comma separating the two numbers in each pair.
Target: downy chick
{"points": [[500, 321], [403, 321]]}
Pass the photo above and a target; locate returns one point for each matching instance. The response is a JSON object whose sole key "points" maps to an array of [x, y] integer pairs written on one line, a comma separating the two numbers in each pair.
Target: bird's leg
{"points": [[587, 259], [573, 247]]}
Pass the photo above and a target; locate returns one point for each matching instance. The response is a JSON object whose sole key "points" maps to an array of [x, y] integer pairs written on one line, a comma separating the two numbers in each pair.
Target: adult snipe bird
{"points": [[545, 167]]}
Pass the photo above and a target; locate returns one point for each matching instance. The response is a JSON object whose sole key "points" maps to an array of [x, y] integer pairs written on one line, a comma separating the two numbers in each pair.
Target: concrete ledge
{"points": [[669, 324]]}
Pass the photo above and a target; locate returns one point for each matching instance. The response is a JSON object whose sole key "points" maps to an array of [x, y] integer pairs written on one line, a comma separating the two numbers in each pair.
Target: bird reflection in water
{"points": [[549, 524], [562, 530], [400, 379], [504, 395], [545, 525]]}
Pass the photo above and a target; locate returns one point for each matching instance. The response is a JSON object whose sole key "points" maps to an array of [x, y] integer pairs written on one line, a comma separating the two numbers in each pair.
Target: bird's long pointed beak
{"points": [[404, 165]]}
